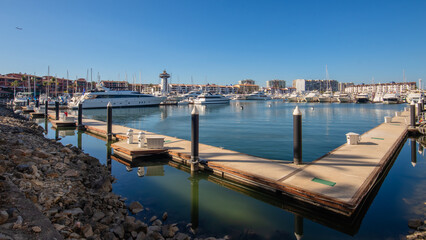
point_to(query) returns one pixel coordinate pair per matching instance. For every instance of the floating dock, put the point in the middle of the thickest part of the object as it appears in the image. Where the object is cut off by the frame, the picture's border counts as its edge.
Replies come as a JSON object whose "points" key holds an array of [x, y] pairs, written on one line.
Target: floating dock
{"points": [[340, 181]]}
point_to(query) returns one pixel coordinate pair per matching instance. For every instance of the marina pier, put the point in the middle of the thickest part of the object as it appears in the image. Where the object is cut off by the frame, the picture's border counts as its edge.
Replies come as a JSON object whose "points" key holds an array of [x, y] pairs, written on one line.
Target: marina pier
{"points": [[339, 182]]}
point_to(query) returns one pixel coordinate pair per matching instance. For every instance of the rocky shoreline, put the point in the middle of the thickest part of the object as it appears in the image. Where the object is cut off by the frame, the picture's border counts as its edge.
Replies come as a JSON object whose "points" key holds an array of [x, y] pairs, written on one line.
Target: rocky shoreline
{"points": [[51, 191]]}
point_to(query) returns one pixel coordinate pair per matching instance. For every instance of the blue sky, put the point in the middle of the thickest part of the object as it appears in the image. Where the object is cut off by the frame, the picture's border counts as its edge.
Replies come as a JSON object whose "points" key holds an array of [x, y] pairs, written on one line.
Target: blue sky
{"points": [[216, 41]]}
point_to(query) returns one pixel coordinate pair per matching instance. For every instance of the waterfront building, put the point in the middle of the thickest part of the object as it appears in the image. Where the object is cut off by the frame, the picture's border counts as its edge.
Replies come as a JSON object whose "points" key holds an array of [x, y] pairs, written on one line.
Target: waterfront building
{"points": [[303, 85], [247, 88], [247, 81], [275, 84], [343, 86], [116, 85], [382, 87]]}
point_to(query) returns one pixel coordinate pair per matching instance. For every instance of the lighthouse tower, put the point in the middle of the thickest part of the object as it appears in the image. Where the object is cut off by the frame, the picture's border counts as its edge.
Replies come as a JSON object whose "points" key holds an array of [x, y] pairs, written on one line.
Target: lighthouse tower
{"points": [[164, 83]]}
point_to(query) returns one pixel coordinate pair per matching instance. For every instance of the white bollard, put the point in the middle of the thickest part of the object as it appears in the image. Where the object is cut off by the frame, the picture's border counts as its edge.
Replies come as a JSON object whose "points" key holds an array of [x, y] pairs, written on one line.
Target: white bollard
{"points": [[388, 119], [141, 139], [130, 136], [397, 114], [352, 138]]}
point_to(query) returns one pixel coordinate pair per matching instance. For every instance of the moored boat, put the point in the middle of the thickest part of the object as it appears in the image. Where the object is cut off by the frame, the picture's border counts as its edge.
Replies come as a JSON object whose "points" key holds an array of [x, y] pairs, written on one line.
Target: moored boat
{"points": [[209, 98]]}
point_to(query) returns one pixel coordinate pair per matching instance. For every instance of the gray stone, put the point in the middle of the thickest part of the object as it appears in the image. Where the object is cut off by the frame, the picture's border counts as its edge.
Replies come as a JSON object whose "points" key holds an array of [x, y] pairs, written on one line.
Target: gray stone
{"points": [[4, 216], [36, 229], [87, 231], [110, 236], [119, 231], [181, 236], [414, 223], [98, 216], [135, 207], [165, 215], [154, 236], [154, 229], [169, 231], [74, 211], [24, 168], [157, 223], [71, 173], [141, 236], [141, 226], [18, 222], [153, 218]]}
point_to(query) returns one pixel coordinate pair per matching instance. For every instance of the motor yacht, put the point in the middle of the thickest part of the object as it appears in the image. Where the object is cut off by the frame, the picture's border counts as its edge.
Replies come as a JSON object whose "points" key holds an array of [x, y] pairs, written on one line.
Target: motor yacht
{"points": [[259, 95], [101, 97], [209, 98]]}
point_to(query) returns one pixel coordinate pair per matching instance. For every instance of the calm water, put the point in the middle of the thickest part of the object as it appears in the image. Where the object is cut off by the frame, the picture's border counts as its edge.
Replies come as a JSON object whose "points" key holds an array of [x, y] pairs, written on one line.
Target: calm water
{"points": [[264, 129]]}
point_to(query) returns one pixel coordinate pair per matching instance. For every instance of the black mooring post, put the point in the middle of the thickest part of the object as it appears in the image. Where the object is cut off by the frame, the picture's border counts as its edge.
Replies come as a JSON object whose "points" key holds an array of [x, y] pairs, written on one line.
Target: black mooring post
{"points": [[422, 101], [412, 115], [194, 139], [194, 201], [37, 103], [109, 121], [79, 139], [298, 226], [413, 152], [46, 109], [28, 101], [57, 110], [80, 116], [297, 136]]}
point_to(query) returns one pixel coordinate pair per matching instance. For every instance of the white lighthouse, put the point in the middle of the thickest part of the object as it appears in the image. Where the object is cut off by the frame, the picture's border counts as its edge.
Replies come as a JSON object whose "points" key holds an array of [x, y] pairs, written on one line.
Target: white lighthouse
{"points": [[164, 83]]}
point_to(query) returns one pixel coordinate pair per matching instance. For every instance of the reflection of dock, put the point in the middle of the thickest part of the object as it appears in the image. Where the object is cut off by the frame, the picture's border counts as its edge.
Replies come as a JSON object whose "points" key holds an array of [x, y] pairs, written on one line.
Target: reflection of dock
{"points": [[339, 181]]}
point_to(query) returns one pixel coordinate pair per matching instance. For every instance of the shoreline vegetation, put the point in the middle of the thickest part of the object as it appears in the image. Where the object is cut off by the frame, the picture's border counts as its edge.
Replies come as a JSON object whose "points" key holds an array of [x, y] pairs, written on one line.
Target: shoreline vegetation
{"points": [[52, 191]]}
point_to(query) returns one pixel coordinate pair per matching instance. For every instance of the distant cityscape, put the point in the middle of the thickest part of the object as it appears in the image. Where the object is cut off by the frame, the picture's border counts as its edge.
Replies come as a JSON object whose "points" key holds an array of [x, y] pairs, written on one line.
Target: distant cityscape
{"points": [[21, 82]]}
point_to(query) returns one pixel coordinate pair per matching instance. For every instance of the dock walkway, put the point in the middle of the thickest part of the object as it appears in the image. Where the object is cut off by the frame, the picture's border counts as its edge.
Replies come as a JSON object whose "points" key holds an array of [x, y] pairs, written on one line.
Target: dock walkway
{"points": [[338, 181]]}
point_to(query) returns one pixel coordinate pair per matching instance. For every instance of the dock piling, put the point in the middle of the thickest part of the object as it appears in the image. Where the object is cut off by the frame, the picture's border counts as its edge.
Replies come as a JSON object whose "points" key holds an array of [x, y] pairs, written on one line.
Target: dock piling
{"points": [[412, 114], [194, 139], [419, 110], [57, 110], [297, 136], [46, 109], [80, 116], [109, 121], [422, 101], [37, 103], [298, 226], [413, 152], [28, 102]]}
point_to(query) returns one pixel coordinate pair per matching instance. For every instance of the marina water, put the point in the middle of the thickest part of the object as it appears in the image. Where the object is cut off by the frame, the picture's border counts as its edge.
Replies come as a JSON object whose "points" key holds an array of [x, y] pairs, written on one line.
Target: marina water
{"points": [[262, 129]]}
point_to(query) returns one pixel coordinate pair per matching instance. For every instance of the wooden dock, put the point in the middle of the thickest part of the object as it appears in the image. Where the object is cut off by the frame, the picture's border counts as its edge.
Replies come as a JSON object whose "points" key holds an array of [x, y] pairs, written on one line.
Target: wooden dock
{"points": [[339, 181]]}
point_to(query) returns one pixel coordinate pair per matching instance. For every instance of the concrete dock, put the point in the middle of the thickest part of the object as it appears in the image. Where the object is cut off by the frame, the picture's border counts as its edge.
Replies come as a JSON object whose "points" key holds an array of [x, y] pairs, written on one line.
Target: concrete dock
{"points": [[339, 181]]}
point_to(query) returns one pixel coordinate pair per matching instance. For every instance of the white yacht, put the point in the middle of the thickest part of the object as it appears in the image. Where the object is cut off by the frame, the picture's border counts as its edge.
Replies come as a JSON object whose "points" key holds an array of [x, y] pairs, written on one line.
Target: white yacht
{"points": [[101, 97], [294, 97], [259, 95], [326, 97], [362, 98], [209, 98], [344, 98], [391, 98], [415, 96], [312, 97], [192, 94]]}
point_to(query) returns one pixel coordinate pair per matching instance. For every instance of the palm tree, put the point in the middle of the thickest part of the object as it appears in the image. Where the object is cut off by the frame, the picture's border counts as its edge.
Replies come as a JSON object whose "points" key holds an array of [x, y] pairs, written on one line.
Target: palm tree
{"points": [[14, 85]]}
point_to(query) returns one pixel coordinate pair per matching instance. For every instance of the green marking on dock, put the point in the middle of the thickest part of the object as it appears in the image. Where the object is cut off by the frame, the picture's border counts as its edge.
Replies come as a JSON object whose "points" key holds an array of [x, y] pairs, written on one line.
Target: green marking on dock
{"points": [[395, 124], [322, 181], [167, 141], [377, 138]]}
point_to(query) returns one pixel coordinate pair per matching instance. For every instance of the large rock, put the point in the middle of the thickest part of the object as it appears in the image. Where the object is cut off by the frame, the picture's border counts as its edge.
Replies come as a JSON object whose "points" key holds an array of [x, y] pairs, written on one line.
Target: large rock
{"points": [[71, 173], [169, 231], [74, 211], [98, 216], [135, 207], [415, 223], [87, 231], [118, 231], [4, 216]]}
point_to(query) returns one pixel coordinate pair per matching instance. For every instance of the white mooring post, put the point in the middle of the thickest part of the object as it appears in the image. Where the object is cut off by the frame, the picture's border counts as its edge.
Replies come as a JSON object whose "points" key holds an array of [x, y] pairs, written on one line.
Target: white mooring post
{"points": [[141, 139], [130, 136]]}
